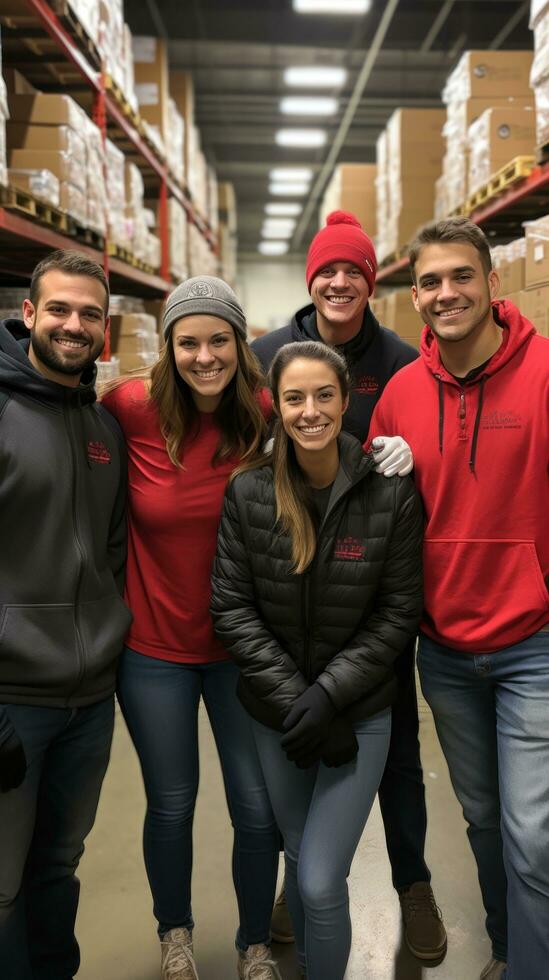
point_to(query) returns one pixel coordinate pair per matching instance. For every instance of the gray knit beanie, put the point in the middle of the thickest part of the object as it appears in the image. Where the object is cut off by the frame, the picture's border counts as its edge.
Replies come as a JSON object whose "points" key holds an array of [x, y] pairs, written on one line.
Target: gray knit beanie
{"points": [[204, 294]]}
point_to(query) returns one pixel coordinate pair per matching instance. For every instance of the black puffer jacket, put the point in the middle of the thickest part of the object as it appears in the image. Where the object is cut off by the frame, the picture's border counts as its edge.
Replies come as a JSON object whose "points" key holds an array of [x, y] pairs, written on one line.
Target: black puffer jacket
{"points": [[345, 620]]}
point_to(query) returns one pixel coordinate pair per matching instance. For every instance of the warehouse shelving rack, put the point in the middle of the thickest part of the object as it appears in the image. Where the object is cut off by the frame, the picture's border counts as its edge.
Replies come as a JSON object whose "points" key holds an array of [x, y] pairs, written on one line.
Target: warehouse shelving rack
{"points": [[24, 241], [500, 218]]}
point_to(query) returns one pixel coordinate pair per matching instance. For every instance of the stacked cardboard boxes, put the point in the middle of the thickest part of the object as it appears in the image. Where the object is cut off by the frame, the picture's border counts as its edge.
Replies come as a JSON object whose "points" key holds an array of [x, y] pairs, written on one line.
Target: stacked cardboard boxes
{"points": [[500, 134], [52, 132], [480, 81], [539, 77], [177, 221], [134, 340], [352, 188], [150, 57], [382, 197], [523, 270], [414, 149], [227, 232], [202, 261]]}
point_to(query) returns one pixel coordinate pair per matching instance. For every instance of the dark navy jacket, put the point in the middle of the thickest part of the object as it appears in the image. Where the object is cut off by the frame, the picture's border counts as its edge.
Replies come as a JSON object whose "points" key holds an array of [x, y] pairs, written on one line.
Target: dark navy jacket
{"points": [[373, 357]]}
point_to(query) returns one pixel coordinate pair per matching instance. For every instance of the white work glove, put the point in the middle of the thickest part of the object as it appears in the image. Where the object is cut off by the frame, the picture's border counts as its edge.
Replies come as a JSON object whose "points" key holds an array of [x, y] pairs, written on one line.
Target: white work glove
{"points": [[392, 456]]}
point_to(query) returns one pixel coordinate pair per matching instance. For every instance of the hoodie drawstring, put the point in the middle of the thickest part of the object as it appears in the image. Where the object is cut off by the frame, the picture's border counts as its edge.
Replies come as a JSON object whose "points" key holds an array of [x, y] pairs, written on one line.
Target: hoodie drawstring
{"points": [[477, 424], [440, 413]]}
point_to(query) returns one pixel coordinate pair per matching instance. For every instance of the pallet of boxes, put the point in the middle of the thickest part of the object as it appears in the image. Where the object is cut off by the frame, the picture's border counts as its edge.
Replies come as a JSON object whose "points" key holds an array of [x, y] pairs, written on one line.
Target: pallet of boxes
{"points": [[134, 334], [523, 270], [489, 121], [539, 76]]}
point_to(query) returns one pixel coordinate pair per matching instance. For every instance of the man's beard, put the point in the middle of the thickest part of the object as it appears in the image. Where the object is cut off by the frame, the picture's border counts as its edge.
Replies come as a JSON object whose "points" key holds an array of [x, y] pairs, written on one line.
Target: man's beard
{"points": [[46, 353]]}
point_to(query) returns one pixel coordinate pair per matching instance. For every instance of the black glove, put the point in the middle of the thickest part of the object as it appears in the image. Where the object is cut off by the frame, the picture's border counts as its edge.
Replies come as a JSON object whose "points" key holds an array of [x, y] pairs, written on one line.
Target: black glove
{"points": [[306, 722], [13, 764], [340, 745]]}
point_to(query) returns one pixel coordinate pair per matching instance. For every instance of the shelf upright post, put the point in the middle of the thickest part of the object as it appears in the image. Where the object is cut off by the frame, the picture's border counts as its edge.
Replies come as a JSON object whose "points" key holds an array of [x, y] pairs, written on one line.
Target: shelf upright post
{"points": [[99, 117]]}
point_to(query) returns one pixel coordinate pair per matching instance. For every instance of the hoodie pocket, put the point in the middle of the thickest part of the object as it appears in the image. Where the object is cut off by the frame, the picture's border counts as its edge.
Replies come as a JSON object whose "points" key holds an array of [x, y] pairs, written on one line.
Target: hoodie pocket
{"points": [[104, 624], [483, 594], [38, 646]]}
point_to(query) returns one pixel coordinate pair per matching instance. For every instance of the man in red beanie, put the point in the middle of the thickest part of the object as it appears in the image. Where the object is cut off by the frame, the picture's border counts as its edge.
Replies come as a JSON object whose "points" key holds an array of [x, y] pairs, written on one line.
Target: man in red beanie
{"points": [[340, 273]]}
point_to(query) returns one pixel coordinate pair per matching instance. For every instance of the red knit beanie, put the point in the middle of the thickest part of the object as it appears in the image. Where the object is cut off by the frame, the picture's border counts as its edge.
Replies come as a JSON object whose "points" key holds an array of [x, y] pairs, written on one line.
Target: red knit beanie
{"points": [[342, 240]]}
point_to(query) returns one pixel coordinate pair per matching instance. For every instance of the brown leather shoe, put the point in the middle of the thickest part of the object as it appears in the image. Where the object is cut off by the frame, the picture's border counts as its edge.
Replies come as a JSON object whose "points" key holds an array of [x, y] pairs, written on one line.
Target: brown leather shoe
{"points": [[423, 926]]}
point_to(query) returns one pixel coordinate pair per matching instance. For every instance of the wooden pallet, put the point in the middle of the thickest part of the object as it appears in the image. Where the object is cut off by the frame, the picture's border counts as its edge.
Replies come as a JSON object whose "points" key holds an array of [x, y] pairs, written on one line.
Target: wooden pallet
{"points": [[119, 97], [72, 25], [15, 199], [514, 171], [116, 251], [88, 236]]}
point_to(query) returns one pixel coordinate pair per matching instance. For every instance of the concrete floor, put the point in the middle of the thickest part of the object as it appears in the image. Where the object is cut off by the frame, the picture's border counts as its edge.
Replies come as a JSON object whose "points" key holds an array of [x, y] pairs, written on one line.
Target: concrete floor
{"points": [[115, 925]]}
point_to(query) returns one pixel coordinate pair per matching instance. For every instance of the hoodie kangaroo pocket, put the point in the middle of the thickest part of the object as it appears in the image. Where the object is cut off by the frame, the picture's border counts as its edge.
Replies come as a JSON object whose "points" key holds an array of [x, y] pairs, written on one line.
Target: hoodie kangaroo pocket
{"points": [[483, 593], [38, 646]]}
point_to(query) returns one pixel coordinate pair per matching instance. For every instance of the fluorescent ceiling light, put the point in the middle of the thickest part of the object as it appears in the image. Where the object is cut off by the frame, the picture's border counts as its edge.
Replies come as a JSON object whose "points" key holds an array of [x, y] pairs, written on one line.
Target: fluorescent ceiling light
{"points": [[286, 188], [272, 248], [282, 223], [315, 76], [276, 232], [300, 137], [335, 7], [283, 209], [291, 173], [308, 105]]}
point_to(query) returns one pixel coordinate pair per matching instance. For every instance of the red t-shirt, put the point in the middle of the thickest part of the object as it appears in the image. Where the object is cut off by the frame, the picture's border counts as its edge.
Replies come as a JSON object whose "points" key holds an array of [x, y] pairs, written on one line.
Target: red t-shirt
{"points": [[172, 531]]}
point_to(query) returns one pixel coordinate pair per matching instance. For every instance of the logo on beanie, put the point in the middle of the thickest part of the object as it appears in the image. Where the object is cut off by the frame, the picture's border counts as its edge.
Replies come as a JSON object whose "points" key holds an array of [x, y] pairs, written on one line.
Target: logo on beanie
{"points": [[200, 289]]}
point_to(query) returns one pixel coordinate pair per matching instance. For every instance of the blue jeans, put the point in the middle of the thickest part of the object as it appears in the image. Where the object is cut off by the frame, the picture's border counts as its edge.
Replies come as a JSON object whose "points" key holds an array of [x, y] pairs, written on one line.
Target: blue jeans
{"points": [[492, 717], [160, 703], [43, 825], [321, 813]]}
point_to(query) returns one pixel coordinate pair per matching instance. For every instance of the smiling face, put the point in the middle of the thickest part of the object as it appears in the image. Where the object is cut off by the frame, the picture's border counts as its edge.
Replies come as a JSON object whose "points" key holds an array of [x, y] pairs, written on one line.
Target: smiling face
{"points": [[310, 404], [340, 293], [206, 357], [453, 291], [67, 326]]}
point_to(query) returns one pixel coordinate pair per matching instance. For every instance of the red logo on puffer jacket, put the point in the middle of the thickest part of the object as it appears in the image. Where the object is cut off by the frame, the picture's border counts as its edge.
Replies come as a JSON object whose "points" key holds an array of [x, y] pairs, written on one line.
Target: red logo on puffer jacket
{"points": [[366, 385], [350, 549], [98, 452]]}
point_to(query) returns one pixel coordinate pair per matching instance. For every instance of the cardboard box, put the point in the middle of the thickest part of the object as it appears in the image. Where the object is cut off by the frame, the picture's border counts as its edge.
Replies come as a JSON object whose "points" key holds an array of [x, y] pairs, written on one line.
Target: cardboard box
{"points": [[62, 139], [481, 74], [401, 316], [512, 276], [125, 326], [352, 188], [150, 56], [535, 307], [61, 164], [498, 136], [537, 260], [73, 200], [16, 82], [46, 109], [417, 126]]}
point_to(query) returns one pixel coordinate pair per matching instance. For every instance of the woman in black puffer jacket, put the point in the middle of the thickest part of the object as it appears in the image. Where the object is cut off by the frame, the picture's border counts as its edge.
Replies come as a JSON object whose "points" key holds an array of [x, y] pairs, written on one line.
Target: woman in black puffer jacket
{"points": [[317, 588]]}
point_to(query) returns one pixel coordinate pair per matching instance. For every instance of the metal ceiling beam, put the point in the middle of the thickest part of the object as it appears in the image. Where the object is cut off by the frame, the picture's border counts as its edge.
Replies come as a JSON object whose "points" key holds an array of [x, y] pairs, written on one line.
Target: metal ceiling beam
{"points": [[156, 18], [509, 27], [344, 126], [439, 20]]}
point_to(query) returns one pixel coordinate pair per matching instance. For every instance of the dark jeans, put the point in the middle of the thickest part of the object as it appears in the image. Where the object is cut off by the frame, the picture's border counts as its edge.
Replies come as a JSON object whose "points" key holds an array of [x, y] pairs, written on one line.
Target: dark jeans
{"points": [[402, 792], [160, 703], [43, 825], [492, 717]]}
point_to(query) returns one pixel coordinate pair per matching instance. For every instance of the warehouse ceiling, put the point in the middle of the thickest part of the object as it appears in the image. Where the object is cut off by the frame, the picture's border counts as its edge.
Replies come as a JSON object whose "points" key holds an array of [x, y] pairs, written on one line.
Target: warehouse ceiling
{"points": [[397, 54]]}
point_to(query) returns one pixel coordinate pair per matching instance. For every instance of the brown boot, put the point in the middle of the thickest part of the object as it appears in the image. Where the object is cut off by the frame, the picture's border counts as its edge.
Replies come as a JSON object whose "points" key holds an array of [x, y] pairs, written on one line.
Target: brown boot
{"points": [[423, 926], [281, 926]]}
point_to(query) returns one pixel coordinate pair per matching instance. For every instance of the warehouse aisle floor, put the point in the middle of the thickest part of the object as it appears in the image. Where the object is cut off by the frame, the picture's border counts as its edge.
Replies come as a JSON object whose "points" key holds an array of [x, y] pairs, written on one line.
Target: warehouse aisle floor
{"points": [[115, 926]]}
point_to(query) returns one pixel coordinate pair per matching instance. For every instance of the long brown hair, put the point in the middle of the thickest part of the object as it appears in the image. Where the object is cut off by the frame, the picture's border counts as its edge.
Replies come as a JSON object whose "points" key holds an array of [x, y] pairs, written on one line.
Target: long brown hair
{"points": [[293, 495], [239, 417]]}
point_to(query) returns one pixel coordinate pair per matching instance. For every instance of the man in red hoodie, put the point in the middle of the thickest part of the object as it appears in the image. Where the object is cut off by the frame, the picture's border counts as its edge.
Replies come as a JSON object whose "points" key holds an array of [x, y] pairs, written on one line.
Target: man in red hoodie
{"points": [[475, 410]]}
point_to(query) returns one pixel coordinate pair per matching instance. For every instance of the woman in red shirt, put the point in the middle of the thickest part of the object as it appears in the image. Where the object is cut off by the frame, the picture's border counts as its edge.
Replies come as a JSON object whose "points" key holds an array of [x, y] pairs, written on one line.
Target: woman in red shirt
{"points": [[188, 423]]}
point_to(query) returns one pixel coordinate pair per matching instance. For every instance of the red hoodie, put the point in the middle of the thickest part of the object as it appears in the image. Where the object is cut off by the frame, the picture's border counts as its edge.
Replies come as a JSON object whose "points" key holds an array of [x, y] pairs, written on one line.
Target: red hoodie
{"points": [[481, 467]]}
